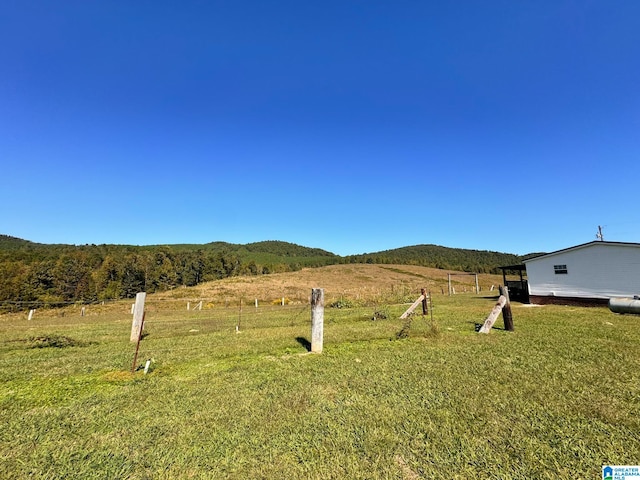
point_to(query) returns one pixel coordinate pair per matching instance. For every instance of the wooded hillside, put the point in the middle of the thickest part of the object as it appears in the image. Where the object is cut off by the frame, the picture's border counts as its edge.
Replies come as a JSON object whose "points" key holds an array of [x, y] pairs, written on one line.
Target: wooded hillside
{"points": [[480, 261]]}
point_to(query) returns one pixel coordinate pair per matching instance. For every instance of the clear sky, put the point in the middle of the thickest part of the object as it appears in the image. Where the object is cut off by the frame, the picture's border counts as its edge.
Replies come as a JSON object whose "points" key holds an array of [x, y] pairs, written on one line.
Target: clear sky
{"points": [[352, 126]]}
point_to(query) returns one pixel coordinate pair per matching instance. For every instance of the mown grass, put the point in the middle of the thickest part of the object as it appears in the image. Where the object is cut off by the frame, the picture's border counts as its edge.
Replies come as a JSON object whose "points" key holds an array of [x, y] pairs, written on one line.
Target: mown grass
{"points": [[557, 398]]}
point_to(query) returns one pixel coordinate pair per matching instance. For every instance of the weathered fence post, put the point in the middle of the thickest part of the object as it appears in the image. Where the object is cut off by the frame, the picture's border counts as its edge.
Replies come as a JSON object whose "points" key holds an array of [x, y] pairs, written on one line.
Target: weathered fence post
{"points": [[138, 316], [425, 308], [491, 319], [31, 312], [477, 285], [413, 306], [317, 319], [506, 310], [135, 357]]}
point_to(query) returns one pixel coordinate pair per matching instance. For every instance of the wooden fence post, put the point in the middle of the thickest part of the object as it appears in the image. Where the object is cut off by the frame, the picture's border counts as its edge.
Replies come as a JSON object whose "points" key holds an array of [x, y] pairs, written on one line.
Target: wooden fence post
{"points": [[506, 310], [425, 308], [135, 357], [317, 319], [412, 307], [491, 319], [138, 316]]}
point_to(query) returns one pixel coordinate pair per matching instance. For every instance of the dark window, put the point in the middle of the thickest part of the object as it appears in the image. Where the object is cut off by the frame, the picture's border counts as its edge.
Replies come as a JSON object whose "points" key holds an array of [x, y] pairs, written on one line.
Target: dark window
{"points": [[558, 269]]}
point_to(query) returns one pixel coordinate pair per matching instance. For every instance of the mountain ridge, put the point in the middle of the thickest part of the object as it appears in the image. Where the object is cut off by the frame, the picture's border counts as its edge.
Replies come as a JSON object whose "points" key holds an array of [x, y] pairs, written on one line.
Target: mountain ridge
{"points": [[267, 246]]}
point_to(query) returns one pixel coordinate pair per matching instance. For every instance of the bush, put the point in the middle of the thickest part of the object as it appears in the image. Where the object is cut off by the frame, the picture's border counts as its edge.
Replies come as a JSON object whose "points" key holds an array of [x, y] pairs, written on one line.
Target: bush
{"points": [[380, 315], [406, 326], [342, 303], [55, 341]]}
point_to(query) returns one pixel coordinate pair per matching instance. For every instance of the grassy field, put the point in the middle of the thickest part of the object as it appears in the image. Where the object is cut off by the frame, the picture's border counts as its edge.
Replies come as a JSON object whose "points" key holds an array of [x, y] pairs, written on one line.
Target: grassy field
{"points": [[360, 283], [557, 398]]}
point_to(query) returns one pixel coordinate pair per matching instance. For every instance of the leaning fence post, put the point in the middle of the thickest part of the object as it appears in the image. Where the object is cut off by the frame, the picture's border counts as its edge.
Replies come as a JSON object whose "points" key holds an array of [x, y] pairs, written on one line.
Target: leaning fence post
{"points": [[495, 312], [138, 315], [506, 310], [135, 357], [317, 319], [413, 306]]}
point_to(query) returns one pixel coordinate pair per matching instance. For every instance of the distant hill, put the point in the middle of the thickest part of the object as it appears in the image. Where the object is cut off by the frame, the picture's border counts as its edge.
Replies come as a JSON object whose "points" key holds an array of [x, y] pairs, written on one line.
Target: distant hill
{"points": [[35, 272], [287, 249], [480, 261], [269, 253], [12, 243]]}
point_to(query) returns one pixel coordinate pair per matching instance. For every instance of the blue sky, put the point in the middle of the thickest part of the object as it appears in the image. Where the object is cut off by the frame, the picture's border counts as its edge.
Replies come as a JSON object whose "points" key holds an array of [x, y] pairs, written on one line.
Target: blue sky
{"points": [[353, 126]]}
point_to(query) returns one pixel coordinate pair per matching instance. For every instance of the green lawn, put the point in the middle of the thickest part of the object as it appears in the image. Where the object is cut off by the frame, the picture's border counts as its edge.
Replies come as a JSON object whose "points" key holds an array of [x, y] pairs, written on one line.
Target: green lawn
{"points": [[557, 398]]}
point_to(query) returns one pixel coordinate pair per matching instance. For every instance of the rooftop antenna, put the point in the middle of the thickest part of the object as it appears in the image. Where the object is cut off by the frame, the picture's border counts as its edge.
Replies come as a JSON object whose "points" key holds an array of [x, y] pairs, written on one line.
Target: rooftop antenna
{"points": [[599, 235]]}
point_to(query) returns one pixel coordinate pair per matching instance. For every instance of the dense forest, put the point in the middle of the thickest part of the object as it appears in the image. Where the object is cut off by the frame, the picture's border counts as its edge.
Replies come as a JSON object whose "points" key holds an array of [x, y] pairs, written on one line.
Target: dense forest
{"points": [[32, 273], [479, 261]]}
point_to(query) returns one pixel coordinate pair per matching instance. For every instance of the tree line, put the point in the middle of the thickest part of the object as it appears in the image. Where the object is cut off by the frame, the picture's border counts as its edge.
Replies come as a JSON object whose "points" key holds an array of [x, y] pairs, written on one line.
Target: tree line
{"points": [[65, 274], [436, 256]]}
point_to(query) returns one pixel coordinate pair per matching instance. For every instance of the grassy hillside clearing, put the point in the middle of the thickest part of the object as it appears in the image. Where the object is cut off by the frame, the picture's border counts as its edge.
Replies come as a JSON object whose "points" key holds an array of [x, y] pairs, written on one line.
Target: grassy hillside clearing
{"points": [[557, 398], [358, 283]]}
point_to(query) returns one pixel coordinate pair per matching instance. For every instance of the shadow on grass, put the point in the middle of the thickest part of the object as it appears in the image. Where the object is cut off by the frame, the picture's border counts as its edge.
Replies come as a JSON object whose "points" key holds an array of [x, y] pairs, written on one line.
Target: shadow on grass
{"points": [[304, 342], [478, 326]]}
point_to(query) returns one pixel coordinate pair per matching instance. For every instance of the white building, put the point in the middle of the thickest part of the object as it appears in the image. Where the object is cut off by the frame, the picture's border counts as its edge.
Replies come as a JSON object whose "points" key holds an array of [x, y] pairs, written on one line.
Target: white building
{"points": [[588, 273]]}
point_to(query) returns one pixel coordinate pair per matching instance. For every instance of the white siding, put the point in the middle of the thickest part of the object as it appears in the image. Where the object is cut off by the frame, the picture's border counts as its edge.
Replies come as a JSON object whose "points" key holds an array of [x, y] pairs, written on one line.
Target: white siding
{"points": [[595, 270]]}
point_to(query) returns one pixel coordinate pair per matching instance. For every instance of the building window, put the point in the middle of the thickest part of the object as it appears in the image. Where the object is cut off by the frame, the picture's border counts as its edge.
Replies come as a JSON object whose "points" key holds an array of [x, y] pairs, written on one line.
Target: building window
{"points": [[559, 269]]}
